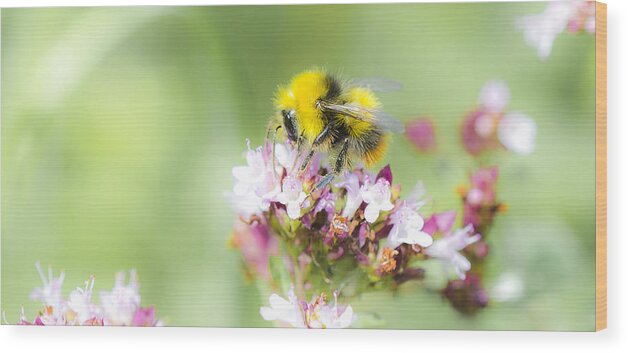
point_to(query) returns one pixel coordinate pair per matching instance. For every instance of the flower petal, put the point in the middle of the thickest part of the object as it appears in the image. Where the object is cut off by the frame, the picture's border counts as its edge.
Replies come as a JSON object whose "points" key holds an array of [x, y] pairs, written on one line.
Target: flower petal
{"points": [[371, 212], [517, 132]]}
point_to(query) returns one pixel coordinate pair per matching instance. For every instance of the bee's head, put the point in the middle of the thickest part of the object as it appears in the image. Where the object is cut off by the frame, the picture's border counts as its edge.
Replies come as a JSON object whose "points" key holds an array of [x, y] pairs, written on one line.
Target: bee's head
{"points": [[290, 124]]}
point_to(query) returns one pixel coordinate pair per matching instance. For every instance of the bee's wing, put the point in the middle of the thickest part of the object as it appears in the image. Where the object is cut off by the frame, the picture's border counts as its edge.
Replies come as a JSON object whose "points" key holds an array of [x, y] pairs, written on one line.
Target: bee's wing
{"points": [[376, 116], [388, 122], [377, 84]]}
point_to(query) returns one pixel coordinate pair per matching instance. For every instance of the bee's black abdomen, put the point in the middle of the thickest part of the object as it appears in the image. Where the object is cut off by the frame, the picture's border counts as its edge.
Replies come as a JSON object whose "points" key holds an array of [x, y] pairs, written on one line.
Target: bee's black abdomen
{"points": [[368, 142]]}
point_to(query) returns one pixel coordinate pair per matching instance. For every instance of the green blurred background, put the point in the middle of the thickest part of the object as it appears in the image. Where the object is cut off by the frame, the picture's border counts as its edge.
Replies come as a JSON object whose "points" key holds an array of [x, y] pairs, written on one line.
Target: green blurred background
{"points": [[120, 127]]}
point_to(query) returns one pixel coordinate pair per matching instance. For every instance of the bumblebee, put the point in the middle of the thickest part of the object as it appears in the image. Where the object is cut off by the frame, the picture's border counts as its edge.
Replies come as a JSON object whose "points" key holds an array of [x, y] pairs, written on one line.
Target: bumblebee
{"points": [[320, 113]]}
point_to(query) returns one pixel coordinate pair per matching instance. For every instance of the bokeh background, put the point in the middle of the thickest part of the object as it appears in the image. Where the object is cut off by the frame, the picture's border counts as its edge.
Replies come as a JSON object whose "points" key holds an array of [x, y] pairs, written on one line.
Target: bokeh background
{"points": [[120, 127]]}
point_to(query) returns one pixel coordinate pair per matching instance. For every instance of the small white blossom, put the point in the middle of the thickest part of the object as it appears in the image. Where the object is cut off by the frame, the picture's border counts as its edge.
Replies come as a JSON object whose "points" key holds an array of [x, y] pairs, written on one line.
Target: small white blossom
{"points": [[517, 132], [540, 30], [377, 196], [50, 293], [407, 224], [508, 287], [122, 302], [286, 311], [316, 314], [292, 196], [121, 306], [354, 196], [80, 302], [494, 96], [256, 186], [331, 317], [447, 250]]}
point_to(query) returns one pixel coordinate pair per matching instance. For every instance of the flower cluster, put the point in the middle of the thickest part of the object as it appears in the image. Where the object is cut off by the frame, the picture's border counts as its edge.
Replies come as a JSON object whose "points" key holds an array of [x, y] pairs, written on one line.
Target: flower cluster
{"points": [[357, 234], [480, 206], [491, 127], [540, 30], [314, 314], [118, 307]]}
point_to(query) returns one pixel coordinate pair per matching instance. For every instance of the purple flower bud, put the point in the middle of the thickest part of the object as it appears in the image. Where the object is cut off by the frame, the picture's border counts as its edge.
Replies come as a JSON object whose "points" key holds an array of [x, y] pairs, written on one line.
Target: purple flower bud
{"points": [[385, 173], [466, 296]]}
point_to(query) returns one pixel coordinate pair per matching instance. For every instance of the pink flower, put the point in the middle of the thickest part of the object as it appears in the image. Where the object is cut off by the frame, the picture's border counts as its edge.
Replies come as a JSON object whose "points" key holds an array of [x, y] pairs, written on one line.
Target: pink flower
{"points": [[448, 248], [407, 223], [256, 245], [490, 127], [421, 133], [483, 183], [480, 202], [440, 223], [144, 317]]}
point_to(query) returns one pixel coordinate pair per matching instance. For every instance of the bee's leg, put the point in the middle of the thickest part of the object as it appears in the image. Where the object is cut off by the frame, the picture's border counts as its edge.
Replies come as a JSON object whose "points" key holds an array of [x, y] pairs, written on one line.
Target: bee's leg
{"points": [[326, 180], [342, 157], [320, 139], [300, 144], [306, 161], [341, 160]]}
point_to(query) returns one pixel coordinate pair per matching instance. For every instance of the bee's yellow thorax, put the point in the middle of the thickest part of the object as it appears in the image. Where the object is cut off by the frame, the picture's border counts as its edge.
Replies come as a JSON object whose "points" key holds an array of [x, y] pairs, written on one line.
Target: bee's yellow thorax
{"points": [[363, 97], [301, 95]]}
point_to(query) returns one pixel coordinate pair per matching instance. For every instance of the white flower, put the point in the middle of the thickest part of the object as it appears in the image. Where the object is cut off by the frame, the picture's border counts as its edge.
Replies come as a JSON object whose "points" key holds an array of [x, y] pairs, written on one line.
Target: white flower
{"points": [[292, 196], [256, 186], [122, 302], [407, 225], [246, 205], [354, 196], [508, 287], [249, 177], [286, 311], [447, 250], [333, 317], [494, 96], [541, 30], [377, 196], [284, 156], [80, 302], [517, 132], [50, 293], [316, 314]]}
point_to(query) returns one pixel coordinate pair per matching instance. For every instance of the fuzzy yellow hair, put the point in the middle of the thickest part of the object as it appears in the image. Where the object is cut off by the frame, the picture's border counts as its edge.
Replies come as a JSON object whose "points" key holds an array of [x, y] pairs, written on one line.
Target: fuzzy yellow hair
{"points": [[301, 96]]}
